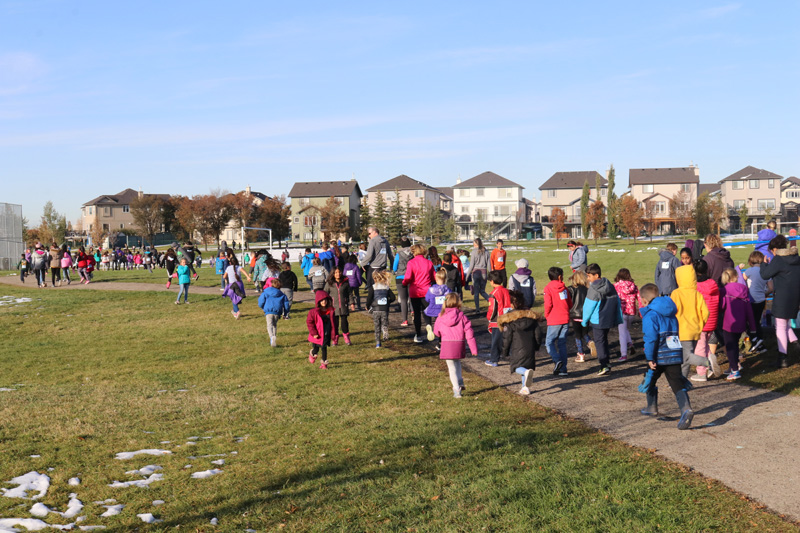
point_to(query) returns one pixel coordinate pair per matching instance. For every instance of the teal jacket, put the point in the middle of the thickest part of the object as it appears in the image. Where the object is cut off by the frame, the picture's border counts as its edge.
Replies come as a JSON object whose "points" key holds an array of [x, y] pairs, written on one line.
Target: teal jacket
{"points": [[184, 275]]}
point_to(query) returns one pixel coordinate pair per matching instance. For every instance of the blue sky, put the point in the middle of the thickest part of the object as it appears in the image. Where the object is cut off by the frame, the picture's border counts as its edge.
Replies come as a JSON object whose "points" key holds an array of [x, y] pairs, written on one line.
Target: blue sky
{"points": [[185, 97]]}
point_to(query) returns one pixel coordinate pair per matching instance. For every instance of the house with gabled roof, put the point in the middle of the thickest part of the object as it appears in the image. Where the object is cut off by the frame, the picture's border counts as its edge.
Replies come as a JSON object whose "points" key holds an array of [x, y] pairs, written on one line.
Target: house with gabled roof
{"points": [[111, 212], [756, 189], [308, 196], [656, 187], [489, 199], [790, 199], [564, 190], [404, 189]]}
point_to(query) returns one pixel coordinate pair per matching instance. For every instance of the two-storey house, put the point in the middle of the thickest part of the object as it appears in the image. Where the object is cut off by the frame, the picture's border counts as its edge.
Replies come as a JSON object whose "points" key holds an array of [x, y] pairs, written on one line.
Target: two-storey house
{"points": [[491, 200], [564, 190], [790, 199], [111, 212], [756, 189], [654, 188], [306, 199]]}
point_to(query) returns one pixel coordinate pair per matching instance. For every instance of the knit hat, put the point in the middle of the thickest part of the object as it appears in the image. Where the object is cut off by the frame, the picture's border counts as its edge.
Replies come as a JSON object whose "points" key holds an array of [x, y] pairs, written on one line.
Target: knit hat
{"points": [[522, 263]]}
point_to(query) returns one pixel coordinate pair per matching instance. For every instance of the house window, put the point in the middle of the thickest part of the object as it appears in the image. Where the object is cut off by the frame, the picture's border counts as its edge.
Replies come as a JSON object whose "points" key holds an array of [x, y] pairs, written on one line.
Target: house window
{"points": [[303, 202], [464, 193], [308, 236], [419, 194], [465, 209], [91, 227], [479, 192], [754, 184], [501, 210], [390, 196], [648, 188], [481, 213], [505, 192], [686, 187], [603, 192], [106, 211], [309, 220], [551, 193], [106, 227], [90, 210], [793, 194], [771, 183], [738, 185], [126, 209], [122, 226], [660, 207], [738, 204], [296, 220], [763, 205]]}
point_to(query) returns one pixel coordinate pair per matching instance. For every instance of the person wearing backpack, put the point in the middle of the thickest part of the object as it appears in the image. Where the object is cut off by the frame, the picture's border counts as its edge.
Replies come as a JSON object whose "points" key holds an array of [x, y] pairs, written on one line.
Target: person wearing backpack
{"points": [[522, 281]]}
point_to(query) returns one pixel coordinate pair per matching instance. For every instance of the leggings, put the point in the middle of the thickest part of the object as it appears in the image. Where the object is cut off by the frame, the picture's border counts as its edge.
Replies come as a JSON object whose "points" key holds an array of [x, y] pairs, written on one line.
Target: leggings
{"points": [[55, 274], [402, 297], [479, 287], [625, 334], [356, 293], [581, 334], [758, 310], [315, 349], [732, 348], [41, 275], [454, 369], [170, 270], [345, 324], [785, 334], [82, 272], [417, 305]]}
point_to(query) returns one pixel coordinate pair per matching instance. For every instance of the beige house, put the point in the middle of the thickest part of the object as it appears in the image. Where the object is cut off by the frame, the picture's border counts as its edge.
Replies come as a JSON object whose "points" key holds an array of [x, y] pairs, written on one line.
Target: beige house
{"points": [[307, 197], [492, 200], [790, 199], [757, 189], [232, 231], [111, 212], [564, 190], [655, 187], [404, 190]]}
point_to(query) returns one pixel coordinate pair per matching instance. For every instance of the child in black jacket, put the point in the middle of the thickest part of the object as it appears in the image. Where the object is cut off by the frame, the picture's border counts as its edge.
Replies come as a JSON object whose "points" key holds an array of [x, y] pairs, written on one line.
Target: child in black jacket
{"points": [[520, 341], [379, 298], [288, 281]]}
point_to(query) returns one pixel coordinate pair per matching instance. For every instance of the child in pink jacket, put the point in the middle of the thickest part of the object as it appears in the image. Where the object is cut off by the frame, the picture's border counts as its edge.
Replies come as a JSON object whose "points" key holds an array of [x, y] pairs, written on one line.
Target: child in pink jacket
{"points": [[453, 328], [321, 328]]}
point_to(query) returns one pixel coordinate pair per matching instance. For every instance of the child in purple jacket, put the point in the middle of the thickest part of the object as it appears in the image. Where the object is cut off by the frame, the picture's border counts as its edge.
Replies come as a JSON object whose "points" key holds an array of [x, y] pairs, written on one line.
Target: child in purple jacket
{"points": [[737, 317], [454, 328], [353, 274], [435, 299]]}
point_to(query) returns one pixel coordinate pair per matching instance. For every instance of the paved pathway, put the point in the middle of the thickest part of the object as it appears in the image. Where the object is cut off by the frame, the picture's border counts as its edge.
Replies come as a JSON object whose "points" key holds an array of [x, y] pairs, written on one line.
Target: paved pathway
{"points": [[747, 438]]}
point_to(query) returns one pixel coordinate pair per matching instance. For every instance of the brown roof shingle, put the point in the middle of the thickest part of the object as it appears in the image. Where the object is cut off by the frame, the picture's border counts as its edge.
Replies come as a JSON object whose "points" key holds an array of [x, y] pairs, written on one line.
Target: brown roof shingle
{"points": [[752, 173], [662, 176], [317, 189], [709, 188], [121, 198], [573, 180], [403, 183], [487, 179]]}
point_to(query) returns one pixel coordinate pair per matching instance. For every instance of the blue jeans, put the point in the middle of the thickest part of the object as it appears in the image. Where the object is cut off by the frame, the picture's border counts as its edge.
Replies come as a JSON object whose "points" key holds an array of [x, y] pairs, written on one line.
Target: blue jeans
{"points": [[521, 371], [184, 291], [222, 281], [497, 345], [479, 287], [558, 334], [235, 308]]}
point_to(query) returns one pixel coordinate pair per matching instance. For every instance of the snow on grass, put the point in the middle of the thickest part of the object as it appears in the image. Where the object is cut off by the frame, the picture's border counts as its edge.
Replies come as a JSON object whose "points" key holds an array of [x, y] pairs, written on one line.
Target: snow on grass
{"points": [[214, 521], [11, 300], [206, 473], [113, 510], [148, 518], [40, 510], [32, 481], [74, 482], [158, 502], [90, 528], [4, 389], [74, 507], [122, 456], [218, 462], [144, 471], [31, 524], [141, 483]]}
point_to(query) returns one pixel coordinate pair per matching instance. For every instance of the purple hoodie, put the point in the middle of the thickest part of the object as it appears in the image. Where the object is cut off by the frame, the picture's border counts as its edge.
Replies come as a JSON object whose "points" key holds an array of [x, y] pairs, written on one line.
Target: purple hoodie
{"points": [[435, 299], [737, 314], [353, 274]]}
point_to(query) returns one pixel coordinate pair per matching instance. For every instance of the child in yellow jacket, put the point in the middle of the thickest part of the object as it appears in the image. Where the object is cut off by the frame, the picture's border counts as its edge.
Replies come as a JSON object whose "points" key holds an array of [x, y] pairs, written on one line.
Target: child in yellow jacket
{"points": [[692, 316]]}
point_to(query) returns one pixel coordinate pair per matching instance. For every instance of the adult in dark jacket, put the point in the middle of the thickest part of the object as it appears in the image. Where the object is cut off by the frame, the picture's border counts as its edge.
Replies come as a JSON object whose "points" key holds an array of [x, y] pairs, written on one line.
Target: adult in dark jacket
{"points": [[379, 254], [784, 271], [717, 257]]}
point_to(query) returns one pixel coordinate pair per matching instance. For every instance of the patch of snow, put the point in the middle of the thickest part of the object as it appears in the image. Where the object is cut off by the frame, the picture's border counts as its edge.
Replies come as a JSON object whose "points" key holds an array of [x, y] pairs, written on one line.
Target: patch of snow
{"points": [[122, 456], [187, 466], [74, 481], [113, 510], [4, 389], [10, 300], [141, 483], [182, 390], [158, 502], [144, 471], [90, 528], [211, 455], [618, 251], [193, 438], [148, 518], [40, 510], [32, 481], [218, 462], [165, 442], [206, 473], [214, 521], [191, 443], [31, 524], [35, 456], [74, 507], [110, 500]]}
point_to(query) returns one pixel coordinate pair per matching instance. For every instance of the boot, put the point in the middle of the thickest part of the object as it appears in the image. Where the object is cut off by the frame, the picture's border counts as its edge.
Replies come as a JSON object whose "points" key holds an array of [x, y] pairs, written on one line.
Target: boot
{"points": [[715, 369], [347, 339], [686, 409], [652, 403], [782, 361]]}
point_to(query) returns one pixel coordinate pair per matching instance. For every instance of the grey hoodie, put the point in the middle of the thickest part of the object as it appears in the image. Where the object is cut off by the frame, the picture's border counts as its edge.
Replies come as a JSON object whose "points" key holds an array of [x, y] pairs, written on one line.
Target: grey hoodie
{"points": [[665, 272], [579, 259], [379, 254]]}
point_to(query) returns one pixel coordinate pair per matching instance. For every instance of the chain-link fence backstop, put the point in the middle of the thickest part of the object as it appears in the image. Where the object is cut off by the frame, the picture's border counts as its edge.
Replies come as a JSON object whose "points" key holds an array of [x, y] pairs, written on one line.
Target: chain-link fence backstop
{"points": [[11, 246]]}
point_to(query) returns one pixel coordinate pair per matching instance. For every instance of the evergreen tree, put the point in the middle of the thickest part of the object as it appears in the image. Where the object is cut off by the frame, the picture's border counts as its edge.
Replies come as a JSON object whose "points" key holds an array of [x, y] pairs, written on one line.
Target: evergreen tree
{"points": [[394, 220], [365, 219], [379, 213], [409, 213], [585, 209], [613, 206]]}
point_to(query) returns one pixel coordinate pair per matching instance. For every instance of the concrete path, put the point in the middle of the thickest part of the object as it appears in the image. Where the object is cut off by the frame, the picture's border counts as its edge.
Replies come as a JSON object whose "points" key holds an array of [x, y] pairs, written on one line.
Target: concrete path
{"points": [[747, 438]]}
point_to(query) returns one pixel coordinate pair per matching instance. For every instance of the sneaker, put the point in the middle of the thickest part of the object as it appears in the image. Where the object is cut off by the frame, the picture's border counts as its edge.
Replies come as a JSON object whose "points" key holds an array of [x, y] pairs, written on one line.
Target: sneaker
{"points": [[563, 373], [177, 303], [631, 350], [557, 368], [347, 339], [698, 377], [404, 323], [456, 393], [757, 343], [222, 289], [273, 342], [418, 340], [528, 380], [196, 276], [385, 334], [378, 344], [734, 375], [592, 348], [335, 342], [462, 388], [431, 336], [604, 371], [623, 358], [187, 302], [311, 357], [168, 283], [323, 365], [525, 391], [490, 363], [580, 358]]}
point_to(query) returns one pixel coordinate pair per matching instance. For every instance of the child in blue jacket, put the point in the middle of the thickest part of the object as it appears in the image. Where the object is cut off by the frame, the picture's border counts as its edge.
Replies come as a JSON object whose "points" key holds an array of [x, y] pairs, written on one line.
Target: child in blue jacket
{"points": [[184, 278], [662, 348], [275, 304]]}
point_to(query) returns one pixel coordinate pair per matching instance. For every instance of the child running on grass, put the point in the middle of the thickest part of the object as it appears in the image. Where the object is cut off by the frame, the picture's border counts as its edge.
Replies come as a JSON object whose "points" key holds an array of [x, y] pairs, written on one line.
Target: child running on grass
{"points": [[453, 327], [353, 274], [628, 298], [379, 298], [577, 291], [339, 289], [317, 275], [274, 304], [602, 311], [321, 328], [557, 303], [435, 299], [234, 288], [737, 317], [664, 354], [692, 314], [184, 279], [519, 339], [499, 304], [288, 286], [22, 266]]}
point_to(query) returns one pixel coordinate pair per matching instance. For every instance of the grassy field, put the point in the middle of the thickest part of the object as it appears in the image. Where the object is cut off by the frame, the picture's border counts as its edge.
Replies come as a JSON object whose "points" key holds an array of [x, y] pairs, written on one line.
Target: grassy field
{"points": [[376, 443]]}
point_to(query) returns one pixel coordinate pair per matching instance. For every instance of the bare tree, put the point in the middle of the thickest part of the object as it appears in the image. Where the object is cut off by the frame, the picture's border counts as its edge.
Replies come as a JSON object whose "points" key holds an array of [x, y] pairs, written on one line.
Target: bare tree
{"points": [[650, 218], [717, 213], [275, 213], [596, 219], [631, 216], [214, 211], [680, 208], [559, 220], [148, 215], [333, 219]]}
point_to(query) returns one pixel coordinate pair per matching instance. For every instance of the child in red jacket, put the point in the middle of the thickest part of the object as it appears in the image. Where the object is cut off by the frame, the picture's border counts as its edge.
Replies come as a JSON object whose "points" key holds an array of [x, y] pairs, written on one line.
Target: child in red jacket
{"points": [[557, 303], [499, 304], [321, 328]]}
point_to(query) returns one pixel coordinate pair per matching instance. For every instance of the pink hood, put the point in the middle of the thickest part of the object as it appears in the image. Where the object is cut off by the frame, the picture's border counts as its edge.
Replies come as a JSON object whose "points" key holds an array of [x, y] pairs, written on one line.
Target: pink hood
{"points": [[453, 327]]}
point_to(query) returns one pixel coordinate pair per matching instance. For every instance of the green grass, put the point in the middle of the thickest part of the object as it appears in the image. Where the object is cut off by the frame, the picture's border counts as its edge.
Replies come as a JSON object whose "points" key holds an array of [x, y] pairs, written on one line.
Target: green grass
{"points": [[376, 443]]}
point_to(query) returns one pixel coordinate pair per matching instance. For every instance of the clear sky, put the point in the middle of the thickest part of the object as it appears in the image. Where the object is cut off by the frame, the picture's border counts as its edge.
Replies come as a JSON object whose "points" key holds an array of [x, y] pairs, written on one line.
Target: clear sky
{"points": [[184, 97]]}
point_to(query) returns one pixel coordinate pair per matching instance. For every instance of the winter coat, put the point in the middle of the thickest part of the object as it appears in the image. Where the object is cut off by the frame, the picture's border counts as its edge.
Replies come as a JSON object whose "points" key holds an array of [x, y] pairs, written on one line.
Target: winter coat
{"points": [[307, 263], [601, 308], [328, 260], [66, 260], [557, 302], [499, 304], [379, 297], [756, 285], [737, 313], [318, 276], [317, 318], [692, 311], [765, 235], [260, 268], [379, 254], [519, 337], [184, 275], [288, 280], [353, 274], [628, 294], [401, 262], [660, 329], [229, 292], [453, 328], [435, 298], [39, 260], [578, 258], [419, 277], [479, 260], [456, 262], [709, 290], [522, 281], [697, 248], [718, 260], [273, 302], [784, 271], [453, 281], [81, 259], [578, 295], [340, 297], [498, 259], [55, 257], [665, 272]]}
